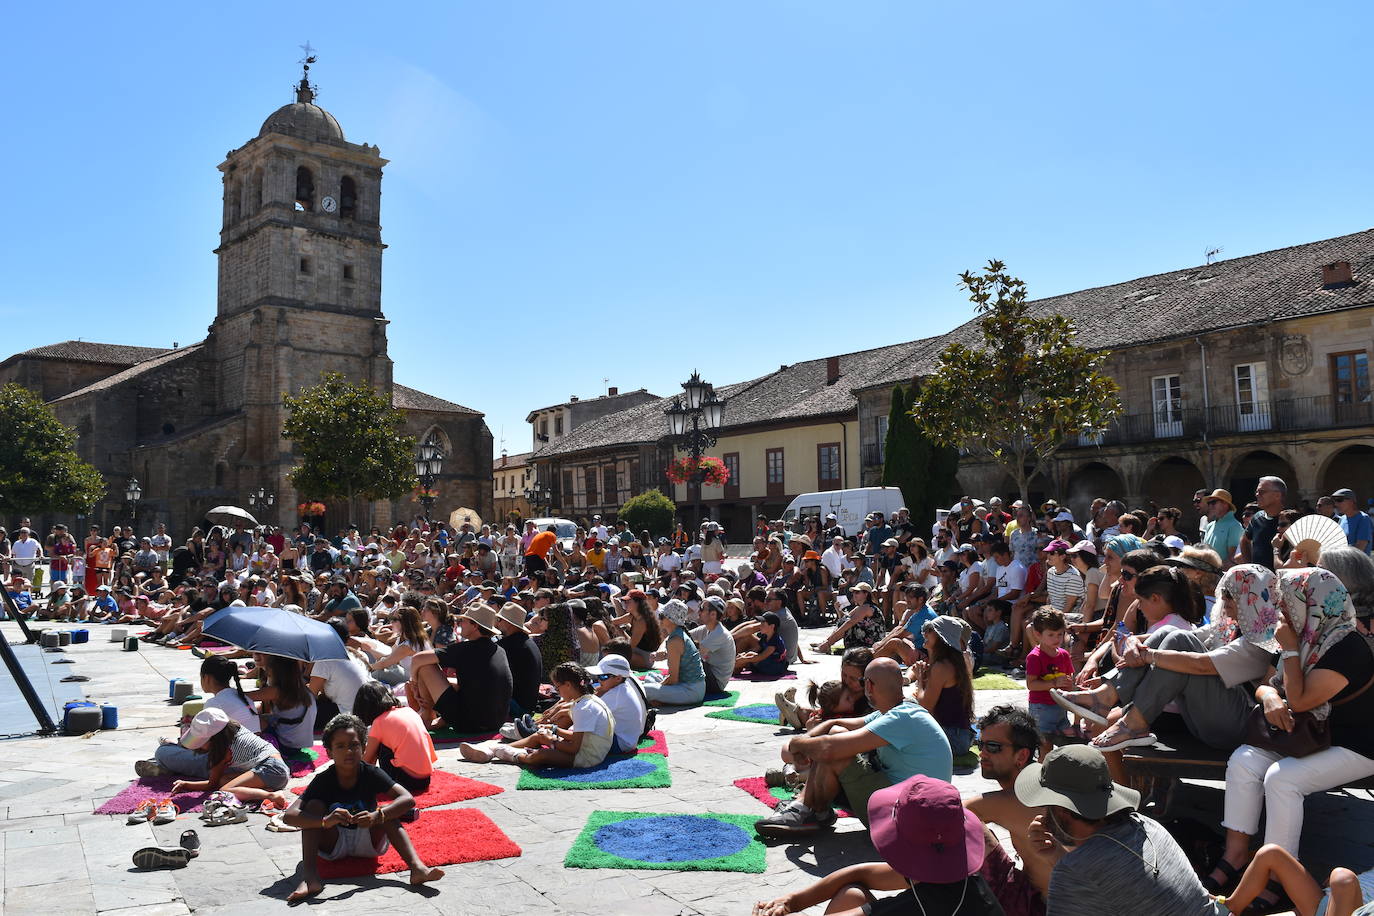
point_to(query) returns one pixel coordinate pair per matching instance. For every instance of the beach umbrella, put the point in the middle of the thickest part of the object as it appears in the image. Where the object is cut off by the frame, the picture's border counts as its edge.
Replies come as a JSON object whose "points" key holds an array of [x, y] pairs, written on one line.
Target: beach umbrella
{"points": [[274, 631], [231, 516]]}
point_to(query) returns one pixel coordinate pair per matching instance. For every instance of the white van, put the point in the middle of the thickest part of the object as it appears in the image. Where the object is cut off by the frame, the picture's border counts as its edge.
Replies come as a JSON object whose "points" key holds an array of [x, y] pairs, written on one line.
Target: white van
{"points": [[850, 506]]}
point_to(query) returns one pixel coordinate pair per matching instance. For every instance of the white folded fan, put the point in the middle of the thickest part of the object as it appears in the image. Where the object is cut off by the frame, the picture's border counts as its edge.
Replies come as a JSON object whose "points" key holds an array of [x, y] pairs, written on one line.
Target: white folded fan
{"points": [[1314, 533]]}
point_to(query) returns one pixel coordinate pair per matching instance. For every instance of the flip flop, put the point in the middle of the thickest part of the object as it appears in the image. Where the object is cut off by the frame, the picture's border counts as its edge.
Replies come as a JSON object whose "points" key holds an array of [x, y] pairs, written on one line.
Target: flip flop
{"points": [[1123, 738], [155, 857]]}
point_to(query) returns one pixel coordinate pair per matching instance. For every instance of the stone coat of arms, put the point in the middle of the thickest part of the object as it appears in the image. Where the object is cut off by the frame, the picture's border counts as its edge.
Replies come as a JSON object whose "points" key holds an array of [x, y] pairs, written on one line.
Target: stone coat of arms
{"points": [[1295, 354]]}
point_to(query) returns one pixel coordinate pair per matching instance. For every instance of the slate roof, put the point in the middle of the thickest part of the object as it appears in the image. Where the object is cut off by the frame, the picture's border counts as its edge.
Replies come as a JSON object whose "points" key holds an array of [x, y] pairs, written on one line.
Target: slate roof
{"points": [[599, 399], [110, 381], [89, 351], [1255, 289], [406, 398]]}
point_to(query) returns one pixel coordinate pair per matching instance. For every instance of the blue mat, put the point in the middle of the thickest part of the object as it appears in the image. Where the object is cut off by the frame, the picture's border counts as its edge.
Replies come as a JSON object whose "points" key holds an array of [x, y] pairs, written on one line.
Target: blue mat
{"points": [[15, 716]]}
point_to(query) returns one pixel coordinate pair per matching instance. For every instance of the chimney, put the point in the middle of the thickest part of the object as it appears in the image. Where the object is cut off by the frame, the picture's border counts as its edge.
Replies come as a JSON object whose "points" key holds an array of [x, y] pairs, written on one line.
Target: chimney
{"points": [[1337, 273], [832, 370], [572, 400], [612, 391]]}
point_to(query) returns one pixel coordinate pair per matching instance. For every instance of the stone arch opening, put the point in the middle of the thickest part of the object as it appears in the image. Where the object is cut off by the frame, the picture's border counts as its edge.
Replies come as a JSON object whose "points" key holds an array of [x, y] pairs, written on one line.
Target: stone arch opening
{"points": [[1247, 471], [348, 198], [1171, 484], [1353, 467], [305, 188], [255, 191], [1092, 480]]}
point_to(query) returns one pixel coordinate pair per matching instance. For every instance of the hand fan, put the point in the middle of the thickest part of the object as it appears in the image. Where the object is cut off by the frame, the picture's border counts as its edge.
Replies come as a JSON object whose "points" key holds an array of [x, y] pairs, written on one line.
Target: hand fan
{"points": [[1314, 533]]}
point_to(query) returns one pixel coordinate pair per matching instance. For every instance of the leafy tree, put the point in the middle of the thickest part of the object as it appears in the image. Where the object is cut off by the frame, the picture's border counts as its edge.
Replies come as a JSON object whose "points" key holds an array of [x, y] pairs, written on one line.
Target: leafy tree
{"points": [[650, 509], [350, 441], [923, 470], [1021, 389], [39, 467]]}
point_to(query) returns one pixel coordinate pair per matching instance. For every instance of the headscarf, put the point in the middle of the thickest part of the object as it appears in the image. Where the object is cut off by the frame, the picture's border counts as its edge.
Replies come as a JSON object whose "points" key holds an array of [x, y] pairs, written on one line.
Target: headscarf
{"points": [[1319, 608], [1123, 544], [1254, 589]]}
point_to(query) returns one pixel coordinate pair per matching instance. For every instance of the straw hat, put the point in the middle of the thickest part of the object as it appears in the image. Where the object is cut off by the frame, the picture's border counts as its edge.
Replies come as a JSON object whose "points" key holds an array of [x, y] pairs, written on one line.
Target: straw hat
{"points": [[483, 617], [512, 614]]}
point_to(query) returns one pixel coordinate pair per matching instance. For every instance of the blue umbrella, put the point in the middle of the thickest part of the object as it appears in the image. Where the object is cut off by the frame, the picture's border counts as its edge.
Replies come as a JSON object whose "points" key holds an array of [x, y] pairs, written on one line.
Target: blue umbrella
{"points": [[274, 631]]}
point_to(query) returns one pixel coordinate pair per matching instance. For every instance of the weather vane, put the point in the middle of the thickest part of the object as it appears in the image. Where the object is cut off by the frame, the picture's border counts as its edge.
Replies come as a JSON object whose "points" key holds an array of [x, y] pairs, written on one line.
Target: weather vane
{"points": [[305, 92]]}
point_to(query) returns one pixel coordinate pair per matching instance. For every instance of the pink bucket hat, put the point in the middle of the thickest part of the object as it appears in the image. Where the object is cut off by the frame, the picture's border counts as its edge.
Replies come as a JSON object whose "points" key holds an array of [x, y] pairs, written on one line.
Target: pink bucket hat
{"points": [[923, 830]]}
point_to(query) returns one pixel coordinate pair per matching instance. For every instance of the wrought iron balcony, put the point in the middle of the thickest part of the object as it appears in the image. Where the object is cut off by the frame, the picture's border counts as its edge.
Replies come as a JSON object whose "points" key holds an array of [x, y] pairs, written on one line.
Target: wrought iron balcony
{"points": [[1258, 417]]}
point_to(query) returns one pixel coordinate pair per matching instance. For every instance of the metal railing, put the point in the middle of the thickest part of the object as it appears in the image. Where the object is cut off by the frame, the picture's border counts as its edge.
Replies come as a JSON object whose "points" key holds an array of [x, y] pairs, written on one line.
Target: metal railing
{"points": [[1275, 415], [871, 454]]}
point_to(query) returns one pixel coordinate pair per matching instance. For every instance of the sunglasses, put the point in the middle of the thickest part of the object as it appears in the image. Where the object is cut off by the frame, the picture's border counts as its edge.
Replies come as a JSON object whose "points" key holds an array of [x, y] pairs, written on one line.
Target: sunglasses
{"points": [[992, 747], [1127, 575]]}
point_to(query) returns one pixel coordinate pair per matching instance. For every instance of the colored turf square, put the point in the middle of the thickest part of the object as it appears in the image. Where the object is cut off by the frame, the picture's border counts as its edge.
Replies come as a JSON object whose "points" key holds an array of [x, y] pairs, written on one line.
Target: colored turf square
{"points": [[654, 743], [758, 713], [772, 796], [642, 771], [449, 837], [729, 698], [668, 842]]}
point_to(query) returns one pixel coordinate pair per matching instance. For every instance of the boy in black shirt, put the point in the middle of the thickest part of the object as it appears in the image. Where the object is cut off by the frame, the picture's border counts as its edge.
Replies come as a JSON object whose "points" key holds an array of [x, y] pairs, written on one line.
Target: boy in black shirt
{"points": [[339, 815]]}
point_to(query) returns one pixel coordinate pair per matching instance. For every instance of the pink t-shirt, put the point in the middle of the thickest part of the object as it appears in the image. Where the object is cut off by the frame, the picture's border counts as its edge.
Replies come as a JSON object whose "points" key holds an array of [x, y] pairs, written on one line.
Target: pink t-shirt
{"points": [[402, 730], [1038, 664]]}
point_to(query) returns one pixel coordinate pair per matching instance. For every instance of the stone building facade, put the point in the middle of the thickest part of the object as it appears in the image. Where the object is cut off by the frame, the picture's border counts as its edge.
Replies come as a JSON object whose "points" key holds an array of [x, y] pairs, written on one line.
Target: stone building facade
{"points": [[299, 295]]}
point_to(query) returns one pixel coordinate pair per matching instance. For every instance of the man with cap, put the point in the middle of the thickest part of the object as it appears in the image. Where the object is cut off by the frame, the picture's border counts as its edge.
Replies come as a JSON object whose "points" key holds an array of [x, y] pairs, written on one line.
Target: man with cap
{"points": [[932, 848], [1359, 532], [19, 593], [715, 644], [1224, 530], [620, 690], [907, 741], [478, 700], [1104, 854], [341, 600], [523, 656], [831, 529], [25, 552]]}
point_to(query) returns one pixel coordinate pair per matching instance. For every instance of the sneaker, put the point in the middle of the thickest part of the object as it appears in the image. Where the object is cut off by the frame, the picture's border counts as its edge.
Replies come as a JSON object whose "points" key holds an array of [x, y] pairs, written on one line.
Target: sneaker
{"points": [[150, 769], [153, 857], [778, 777], [1083, 703], [143, 813], [525, 726], [794, 819], [475, 753], [511, 731], [788, 711], [165, 812]]}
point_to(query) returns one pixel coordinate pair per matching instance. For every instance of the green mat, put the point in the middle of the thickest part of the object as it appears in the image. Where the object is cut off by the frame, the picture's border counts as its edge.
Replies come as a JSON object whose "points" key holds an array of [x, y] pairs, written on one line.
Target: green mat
{"points": [[993, 680], [730, 699], [758, 713], [967, 761], [669, 842], [642, 771]]}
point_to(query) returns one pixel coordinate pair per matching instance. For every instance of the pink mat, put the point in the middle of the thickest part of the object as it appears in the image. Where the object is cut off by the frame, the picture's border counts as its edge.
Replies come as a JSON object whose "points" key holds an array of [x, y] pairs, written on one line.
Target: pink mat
{"points": [[659, 745], [751, 676], [141, 790]]}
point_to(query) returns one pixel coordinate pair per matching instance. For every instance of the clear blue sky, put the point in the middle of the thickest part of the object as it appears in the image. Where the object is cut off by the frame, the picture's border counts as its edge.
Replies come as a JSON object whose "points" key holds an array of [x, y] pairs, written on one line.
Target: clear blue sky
{"points": [[592, 190]]}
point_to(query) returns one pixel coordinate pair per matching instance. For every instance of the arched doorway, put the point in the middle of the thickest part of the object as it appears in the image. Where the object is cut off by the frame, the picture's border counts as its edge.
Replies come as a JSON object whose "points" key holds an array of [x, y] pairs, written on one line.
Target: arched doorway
{"points": [[1092, 480], [1353, 467], [1172, 483], [1248, 470]]}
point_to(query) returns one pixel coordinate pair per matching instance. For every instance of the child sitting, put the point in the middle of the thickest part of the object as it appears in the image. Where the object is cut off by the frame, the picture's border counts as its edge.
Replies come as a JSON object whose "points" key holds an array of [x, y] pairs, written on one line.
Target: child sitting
{"points": [[286, 702], [996, 632], [234, 759], [1048, 667], [397, 739], [905, 643], [770, 660], [585, 744], [339, 816]]}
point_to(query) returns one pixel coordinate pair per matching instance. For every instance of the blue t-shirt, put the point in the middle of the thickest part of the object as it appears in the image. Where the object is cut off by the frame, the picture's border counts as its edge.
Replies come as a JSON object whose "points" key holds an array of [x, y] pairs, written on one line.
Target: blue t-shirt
{"points": [[916, 745], [1357, 528], [918, 620]]}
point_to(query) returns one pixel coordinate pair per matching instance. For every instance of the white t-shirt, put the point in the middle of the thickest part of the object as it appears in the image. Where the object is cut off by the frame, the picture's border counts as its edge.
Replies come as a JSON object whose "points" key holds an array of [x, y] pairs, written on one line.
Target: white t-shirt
{"points": [[342, 678], [628, 710], [234, 707], [835, 561], [1011, 577], [591, 714], [600, 532], [669, 562], [26, 549], [717, 650]]}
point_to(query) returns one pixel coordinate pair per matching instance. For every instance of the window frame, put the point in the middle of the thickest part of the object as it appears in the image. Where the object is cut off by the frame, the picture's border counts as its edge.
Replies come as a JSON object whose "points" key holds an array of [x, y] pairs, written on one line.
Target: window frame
{"points": [[837, 480], [778, 487]]}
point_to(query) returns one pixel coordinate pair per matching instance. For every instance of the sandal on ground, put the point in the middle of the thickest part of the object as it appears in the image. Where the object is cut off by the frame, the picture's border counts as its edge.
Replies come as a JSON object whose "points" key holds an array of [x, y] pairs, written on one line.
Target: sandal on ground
{"points": [[1119, 737], [155, 857], [1230, 878], [190, 841], [276, 825], [226, 814]]}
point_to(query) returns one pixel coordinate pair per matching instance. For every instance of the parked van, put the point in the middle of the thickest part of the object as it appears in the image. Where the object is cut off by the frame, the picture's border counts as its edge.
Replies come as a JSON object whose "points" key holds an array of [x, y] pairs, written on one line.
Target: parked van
{"points": [[850, 506]]}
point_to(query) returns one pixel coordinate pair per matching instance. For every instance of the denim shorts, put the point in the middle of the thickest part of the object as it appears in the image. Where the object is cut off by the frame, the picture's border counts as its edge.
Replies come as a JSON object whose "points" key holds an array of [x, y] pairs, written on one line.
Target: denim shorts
{"points": [[1049, 718]]}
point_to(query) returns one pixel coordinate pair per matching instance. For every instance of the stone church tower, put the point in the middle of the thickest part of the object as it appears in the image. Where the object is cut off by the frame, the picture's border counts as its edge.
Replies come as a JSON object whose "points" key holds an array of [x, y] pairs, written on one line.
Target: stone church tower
{"points": [[300, 289]]}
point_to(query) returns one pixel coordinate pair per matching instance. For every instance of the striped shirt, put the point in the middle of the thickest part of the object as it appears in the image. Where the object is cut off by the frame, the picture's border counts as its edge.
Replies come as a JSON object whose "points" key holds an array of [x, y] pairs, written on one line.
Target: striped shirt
{"points": [[1063, 586]]}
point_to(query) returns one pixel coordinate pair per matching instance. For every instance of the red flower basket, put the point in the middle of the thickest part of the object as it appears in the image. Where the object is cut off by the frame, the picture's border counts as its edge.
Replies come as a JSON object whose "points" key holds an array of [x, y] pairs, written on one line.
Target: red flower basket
{"points": [[713, 471]]}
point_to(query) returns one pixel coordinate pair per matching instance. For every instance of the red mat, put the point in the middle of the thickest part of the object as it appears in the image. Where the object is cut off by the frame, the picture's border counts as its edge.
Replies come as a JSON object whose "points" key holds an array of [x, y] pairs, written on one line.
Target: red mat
{"points": [[448, 837], [444, 789], [658, 745], [757, 787]]}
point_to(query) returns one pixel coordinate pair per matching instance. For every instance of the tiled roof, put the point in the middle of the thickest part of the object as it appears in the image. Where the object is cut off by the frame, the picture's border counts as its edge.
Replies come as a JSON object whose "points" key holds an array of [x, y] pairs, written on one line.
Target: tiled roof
{"points": [[110, 381], [1255, 289], [89, 351], [405, 398], [599, 399]]}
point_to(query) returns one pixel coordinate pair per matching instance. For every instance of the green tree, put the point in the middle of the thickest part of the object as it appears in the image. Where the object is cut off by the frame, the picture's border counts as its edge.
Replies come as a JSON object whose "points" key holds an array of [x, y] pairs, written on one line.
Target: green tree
{"points": [[1021, 388], [350, 441], [39, 467], [923, 470], [652, 510]]}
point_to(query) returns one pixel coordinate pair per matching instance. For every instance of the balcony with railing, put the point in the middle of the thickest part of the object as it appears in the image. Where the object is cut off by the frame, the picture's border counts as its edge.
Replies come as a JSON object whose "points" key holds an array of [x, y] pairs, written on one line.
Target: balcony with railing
{"points": [[1277, 415], [871, 454]]}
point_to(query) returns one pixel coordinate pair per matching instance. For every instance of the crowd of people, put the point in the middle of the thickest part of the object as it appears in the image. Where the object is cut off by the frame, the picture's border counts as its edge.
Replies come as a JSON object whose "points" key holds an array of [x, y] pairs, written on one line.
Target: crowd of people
{"points": [[1127, 628]]}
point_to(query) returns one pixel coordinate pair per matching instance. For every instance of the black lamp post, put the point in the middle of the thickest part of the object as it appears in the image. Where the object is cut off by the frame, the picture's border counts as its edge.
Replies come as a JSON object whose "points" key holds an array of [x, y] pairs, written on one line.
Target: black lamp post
{"points": [[429, 464], [262, 499], [132, 494], [538, 495], [692, 423]]}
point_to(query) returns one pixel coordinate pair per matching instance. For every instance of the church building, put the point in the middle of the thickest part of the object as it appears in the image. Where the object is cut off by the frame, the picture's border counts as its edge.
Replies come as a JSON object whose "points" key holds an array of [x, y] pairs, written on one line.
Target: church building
{"points": [[300, 295]]}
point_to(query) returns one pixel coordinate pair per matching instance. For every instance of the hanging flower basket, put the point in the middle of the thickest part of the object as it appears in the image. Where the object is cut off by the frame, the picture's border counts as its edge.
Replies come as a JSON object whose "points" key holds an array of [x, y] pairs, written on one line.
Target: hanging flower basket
{"points": [[422, 493], [713, 472], [309, 510]]}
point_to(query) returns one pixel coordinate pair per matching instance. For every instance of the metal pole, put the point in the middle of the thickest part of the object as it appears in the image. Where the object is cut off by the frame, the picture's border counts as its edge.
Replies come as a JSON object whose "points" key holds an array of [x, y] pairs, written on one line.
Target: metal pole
{"points": [[696, 474], [21, 677]]}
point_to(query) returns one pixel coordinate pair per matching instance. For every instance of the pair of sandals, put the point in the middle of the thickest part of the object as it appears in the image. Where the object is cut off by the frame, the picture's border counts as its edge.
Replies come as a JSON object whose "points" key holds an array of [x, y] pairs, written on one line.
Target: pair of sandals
{"points": [[1274, 899], [153, 857], [220, 811]]}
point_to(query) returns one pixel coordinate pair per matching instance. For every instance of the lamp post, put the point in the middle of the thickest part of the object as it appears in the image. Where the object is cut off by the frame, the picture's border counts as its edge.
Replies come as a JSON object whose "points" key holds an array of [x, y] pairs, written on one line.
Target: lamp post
{"points": [[262, 499], [132, 494], [538, 495], [429, 464], [692, 423]]}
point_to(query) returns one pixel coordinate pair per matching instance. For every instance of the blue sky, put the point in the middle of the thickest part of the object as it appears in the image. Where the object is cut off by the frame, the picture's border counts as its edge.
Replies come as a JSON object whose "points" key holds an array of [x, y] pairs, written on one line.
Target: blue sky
{"points": [[627, 191]]}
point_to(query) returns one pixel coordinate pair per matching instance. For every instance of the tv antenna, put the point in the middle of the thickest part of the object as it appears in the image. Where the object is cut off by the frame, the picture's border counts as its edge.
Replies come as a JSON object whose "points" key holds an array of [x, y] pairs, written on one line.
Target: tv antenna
{"points": [[1212, 253]]}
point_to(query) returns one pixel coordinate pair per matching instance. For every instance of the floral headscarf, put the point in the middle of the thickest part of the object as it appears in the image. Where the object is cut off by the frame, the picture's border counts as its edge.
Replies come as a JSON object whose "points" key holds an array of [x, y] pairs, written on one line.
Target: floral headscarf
{"points": [[1318, 607], [1123, 544], [1254, 589]]}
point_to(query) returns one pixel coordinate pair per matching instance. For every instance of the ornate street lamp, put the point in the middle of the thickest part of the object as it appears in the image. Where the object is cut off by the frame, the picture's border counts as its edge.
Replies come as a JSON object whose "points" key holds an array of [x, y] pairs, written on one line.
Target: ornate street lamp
{"points": [[132, 494], [262, 498], [429, 464], [692, 426], [538, 494]]}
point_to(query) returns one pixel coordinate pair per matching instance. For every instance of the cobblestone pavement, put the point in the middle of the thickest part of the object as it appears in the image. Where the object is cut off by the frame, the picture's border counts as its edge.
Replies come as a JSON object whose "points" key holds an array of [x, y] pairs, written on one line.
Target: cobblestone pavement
{"points": [[58, 857]]}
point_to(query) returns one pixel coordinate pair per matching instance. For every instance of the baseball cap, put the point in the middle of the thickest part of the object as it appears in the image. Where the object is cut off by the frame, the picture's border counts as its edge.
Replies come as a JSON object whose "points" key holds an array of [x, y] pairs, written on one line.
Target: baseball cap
{"points": [[613, 666]]}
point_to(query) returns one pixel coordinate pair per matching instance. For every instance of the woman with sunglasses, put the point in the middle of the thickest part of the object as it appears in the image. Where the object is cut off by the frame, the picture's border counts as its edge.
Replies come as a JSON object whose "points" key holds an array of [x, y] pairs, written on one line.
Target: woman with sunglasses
{"points": [[1121, 599]]}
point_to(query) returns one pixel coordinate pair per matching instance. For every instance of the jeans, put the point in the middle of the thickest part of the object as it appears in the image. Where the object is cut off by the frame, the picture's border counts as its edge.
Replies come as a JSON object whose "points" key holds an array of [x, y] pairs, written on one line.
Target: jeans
{"points": [[1258, 779], [961, 739], [183, 761], [675, 694], [1214, 713]]}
